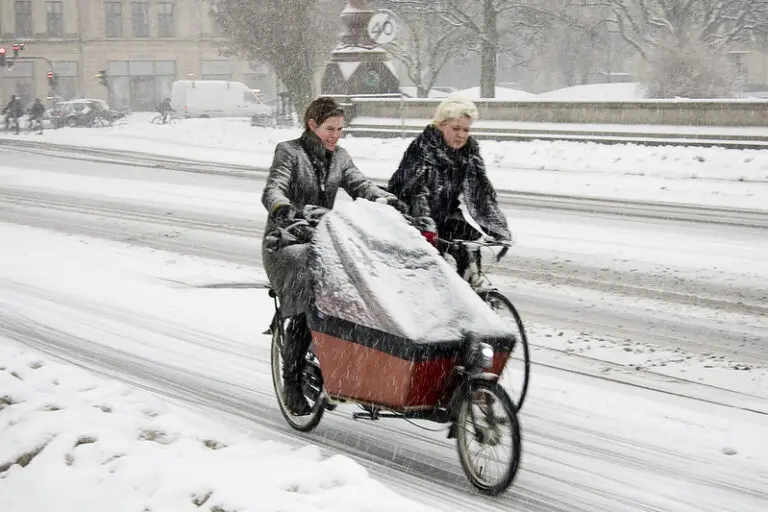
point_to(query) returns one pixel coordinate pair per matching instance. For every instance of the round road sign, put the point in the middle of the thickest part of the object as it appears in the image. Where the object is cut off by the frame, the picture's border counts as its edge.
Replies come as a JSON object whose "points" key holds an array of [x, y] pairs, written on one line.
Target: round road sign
{"points": [[382, 28]]}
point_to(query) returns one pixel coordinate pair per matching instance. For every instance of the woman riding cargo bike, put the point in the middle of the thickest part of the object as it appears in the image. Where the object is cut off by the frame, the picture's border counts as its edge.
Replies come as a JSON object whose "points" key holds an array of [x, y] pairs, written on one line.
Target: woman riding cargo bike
{"points": [[442, 178], [303, 181]]}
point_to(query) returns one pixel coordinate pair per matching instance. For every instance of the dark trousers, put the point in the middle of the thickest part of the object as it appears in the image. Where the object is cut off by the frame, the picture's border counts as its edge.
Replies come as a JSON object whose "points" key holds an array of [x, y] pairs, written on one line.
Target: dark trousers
{"points": [[458, 229], [297, 341]]}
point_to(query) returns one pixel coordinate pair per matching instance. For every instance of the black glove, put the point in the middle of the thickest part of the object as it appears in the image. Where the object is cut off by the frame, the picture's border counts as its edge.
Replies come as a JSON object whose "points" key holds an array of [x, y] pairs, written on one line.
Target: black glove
{"points": [[400, 206], [285, 215], [303, 232]]}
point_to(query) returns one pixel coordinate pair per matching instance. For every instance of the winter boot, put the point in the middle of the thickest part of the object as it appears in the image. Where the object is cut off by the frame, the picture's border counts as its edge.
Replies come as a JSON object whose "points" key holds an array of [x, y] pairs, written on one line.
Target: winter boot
{"points": [[297, 340]]}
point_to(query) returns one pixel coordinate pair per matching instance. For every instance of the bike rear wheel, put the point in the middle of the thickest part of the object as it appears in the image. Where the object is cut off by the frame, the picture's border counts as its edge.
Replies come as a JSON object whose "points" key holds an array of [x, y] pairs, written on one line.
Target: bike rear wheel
{"points": [[312, 381], [520, 367], [487, 418]]}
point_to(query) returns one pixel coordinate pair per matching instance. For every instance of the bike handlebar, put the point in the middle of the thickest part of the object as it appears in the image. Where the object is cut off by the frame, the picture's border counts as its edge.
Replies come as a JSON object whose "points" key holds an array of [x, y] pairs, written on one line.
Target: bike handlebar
{"points": [[481, 242], [505, 244]]}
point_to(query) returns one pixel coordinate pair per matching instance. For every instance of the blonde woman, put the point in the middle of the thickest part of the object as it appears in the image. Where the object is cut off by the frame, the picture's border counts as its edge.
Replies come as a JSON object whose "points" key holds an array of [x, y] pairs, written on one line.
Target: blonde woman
{"points": [[441, 169]]}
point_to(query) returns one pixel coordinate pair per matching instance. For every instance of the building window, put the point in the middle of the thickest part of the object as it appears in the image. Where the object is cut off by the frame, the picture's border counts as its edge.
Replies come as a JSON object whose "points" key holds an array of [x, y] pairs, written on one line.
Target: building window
{"points": [[20, 80], [215, 70], [55, 18], [165, 25], [114, 14], [24, 19], [140, 84], [140, 19], [218, 28], [66, 73]]}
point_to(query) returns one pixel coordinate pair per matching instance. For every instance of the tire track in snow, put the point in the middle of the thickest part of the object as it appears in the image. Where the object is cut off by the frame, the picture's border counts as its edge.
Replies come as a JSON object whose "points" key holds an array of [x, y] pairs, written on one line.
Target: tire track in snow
{"points": [[141, 215], [517, 266]]}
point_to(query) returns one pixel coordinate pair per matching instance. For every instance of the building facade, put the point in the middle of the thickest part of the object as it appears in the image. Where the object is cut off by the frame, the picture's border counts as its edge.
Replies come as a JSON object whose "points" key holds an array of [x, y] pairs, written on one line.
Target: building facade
{"points": [[143, 45]]}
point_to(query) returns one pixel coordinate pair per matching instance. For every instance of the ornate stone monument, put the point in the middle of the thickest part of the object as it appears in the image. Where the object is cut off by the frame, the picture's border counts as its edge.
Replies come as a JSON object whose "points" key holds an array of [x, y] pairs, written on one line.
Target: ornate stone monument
{"points": [[358, 65]]}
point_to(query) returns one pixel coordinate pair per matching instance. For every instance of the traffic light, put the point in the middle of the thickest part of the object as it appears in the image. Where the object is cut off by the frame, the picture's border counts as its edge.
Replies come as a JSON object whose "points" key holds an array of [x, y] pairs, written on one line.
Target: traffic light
{"points": [[16, 49], [53, 79], [101, 76], [2, 57]]}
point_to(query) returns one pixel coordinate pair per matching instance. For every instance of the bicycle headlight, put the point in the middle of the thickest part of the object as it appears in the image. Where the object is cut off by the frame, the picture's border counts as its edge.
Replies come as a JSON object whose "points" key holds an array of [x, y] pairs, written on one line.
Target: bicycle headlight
{"points": [[479, 355], [485, 356]]}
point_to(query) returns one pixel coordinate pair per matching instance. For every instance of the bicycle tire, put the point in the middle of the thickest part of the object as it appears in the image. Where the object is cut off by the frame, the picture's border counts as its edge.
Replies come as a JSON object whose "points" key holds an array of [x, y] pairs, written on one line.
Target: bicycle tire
{"points": [[465, 415], [305, 423], [490, 296]]}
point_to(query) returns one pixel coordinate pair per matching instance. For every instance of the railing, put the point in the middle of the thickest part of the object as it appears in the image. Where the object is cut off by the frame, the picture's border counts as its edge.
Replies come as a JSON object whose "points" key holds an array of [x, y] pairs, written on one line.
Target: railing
{"points": [[741, 124]]}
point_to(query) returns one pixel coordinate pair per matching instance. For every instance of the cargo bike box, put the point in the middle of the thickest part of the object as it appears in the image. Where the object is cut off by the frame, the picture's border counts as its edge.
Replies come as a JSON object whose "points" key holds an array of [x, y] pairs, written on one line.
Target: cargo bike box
{"points": [[392, 319], [396, 332]]}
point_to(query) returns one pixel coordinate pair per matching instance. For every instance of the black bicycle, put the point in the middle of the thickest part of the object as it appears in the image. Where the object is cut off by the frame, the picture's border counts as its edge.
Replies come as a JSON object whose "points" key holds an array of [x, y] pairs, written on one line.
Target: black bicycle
{"points": [[499, 302]]}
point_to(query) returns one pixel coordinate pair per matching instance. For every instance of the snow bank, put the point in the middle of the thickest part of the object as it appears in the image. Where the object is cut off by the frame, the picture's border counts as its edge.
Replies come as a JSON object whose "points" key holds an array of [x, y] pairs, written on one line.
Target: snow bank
{"points": [[597, 92], [708, 176], [502, 93], [378, 271], [74, 442]]}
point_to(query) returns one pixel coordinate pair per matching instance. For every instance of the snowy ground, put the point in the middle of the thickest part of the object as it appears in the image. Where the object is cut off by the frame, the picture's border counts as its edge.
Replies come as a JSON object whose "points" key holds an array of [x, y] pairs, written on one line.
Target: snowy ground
{"points": [[74, 442], [707, 176], [100, 439], [608, 425]]}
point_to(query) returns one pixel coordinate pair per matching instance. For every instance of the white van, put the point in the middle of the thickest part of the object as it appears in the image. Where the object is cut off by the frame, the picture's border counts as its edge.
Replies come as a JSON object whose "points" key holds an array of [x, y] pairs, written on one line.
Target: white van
{"points": [[216, 98]]}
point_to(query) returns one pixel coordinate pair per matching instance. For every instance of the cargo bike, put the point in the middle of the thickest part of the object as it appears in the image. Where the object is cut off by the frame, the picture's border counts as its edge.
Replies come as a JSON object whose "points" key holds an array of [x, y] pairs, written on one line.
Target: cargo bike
{"points": [[373, 348]]}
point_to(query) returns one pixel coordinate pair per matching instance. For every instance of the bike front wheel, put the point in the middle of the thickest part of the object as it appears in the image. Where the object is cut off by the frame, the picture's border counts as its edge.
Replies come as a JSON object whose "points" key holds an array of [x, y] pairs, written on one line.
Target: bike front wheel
{"points": [[487, 421], [519, 366]]}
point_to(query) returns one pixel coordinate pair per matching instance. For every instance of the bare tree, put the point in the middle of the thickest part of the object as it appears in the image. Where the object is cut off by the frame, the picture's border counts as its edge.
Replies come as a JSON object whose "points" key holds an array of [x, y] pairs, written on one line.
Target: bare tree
{"points": [[676, 35], [425, 42], [489, 27], [498, 26], [290, 35], [647, 24], [582, 42]]}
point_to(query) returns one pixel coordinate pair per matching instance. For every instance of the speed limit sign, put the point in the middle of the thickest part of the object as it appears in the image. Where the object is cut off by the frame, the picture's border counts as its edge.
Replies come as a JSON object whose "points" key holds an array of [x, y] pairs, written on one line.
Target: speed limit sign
{"points": [[382, 28]]}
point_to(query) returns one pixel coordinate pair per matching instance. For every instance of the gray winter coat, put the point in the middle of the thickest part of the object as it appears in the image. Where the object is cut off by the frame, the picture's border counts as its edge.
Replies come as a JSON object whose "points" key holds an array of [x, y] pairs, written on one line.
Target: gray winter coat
{"points": [[299, 177]]}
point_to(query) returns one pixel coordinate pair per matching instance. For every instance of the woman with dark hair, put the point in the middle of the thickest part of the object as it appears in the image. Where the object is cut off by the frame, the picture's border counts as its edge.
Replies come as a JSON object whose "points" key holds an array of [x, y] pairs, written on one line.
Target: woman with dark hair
{"points": [[301, 187]]}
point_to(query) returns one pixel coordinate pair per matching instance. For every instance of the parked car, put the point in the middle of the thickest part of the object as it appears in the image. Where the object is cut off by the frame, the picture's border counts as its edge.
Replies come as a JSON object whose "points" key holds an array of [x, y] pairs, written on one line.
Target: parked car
{"points": [[85, 112]]}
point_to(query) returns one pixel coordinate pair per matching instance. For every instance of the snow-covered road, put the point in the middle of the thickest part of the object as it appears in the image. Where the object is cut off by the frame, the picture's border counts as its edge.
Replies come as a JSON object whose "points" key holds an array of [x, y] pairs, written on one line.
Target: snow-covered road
{"points": [[599, 293]]}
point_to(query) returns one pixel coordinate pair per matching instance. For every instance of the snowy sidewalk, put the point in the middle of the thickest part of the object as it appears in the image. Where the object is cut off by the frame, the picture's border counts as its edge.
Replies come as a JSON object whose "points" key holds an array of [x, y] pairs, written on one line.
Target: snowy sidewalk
{"points": [[74, 442], [704, 176]]}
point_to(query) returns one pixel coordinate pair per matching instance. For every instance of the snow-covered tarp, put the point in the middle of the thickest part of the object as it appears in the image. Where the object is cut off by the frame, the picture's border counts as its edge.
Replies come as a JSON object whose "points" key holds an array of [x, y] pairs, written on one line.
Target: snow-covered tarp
{"points": [[374, 269]]}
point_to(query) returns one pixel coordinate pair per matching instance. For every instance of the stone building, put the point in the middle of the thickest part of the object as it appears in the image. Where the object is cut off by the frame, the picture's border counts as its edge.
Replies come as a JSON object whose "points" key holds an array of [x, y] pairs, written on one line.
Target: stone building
{"points": [[143, 45]]}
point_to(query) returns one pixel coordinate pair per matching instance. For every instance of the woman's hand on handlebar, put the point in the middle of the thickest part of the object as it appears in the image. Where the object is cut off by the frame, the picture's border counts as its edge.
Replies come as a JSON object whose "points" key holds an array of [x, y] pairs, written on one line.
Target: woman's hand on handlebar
{"points": [[394, 202]]}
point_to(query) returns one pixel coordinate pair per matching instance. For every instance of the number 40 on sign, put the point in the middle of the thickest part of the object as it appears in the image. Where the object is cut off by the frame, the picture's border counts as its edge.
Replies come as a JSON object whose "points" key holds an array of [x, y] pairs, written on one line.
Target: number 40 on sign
{"points": [[382, 27]]}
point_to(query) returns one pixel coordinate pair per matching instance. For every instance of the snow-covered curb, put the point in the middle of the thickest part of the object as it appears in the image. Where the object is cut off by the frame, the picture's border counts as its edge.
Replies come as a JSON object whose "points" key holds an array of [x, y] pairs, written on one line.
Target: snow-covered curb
{"points": [[72, 441], [707, 176]]}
